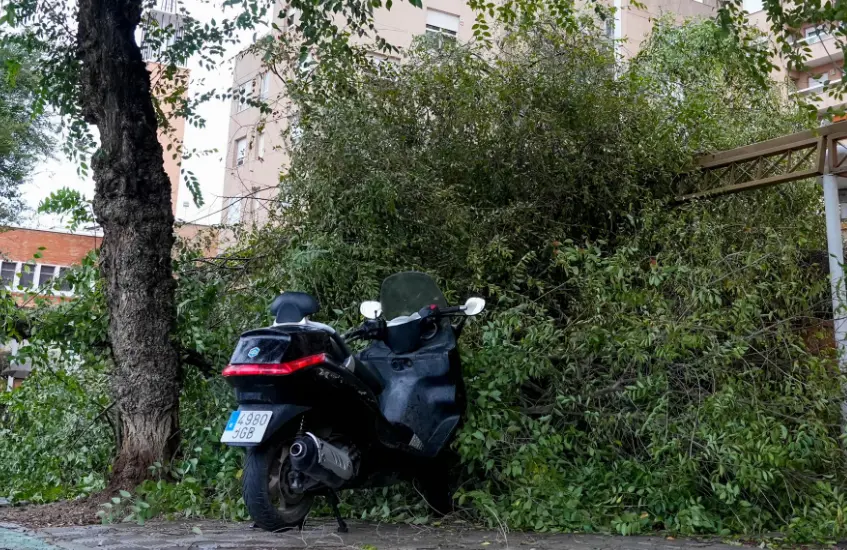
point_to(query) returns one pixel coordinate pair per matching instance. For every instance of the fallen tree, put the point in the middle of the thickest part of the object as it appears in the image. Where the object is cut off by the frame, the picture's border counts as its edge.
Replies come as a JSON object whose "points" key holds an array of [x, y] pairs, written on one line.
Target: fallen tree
{"points": [[641, 366]]}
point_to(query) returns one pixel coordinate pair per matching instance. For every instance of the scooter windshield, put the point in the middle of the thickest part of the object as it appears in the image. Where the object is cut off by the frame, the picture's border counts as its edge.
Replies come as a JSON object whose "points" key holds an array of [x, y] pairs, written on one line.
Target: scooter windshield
{"points": [[406, 293]]}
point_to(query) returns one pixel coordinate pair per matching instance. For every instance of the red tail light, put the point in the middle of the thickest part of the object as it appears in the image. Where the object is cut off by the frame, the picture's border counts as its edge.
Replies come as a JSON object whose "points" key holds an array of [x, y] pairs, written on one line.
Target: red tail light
{"points": [[274, 369]]}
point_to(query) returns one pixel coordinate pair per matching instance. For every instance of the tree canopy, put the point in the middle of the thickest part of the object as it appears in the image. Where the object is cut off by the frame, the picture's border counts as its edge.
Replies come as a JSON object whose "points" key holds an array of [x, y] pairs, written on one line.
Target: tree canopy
{"points": [[25, 133]]}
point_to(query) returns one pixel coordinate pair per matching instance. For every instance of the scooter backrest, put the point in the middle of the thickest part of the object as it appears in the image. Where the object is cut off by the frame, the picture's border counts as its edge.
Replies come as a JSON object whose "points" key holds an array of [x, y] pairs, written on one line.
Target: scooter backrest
{"points": [[292, 307]]}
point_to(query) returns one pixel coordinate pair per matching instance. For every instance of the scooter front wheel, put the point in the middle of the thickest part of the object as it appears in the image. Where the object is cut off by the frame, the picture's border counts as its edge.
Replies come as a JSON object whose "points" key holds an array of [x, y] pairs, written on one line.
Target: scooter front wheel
{"points": [[268, 497]]}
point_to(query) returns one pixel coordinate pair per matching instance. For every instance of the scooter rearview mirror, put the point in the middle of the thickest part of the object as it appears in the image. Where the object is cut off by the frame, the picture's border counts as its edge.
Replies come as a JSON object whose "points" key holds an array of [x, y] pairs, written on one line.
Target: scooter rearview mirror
{"points": [[474, 306], [370, 309]]}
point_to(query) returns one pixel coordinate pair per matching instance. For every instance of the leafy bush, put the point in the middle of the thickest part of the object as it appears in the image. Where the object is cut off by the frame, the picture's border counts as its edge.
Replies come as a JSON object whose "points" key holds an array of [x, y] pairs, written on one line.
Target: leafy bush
{"points": [[50, 446], [641, 366], [679, 395], [55, 437]]}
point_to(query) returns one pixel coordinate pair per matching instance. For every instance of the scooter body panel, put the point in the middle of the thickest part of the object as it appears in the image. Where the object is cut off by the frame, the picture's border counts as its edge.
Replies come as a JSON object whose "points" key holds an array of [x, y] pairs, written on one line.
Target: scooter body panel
{"points": [[423, 389]]}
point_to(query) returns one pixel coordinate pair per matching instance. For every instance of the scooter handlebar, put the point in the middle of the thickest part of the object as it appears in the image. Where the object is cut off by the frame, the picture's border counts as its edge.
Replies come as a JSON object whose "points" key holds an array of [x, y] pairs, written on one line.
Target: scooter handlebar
{"points": [[372, 329], [375, 329]]}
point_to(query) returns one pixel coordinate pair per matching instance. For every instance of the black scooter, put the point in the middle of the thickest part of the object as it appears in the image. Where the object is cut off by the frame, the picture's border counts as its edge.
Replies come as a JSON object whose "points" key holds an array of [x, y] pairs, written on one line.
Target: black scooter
{"points": [[316, 418]]}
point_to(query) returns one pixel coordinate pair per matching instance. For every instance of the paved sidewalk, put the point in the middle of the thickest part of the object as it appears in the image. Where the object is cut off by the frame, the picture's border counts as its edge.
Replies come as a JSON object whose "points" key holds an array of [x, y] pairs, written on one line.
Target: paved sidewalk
{"points": [[209, 535], [12, 538]]}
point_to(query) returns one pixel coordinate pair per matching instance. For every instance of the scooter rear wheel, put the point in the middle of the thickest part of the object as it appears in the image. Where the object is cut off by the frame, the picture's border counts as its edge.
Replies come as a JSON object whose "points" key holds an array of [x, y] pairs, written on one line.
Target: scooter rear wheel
{"points": [[267, 495]]}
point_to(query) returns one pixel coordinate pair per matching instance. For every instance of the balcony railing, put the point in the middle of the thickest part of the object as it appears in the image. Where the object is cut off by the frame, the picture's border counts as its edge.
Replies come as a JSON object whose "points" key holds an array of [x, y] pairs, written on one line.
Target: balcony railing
{"points": [[823, 49], [824, 100]]}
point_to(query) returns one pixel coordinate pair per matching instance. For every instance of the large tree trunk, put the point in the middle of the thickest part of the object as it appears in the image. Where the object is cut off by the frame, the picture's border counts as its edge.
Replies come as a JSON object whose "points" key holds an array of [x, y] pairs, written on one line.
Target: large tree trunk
{"points": [[132, 203]]}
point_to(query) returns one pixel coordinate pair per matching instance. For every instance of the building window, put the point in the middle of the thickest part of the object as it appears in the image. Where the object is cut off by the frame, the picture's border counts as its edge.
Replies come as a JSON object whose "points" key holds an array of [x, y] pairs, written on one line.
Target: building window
{"points": [[240, 151], [7, 273], [30, 273], [233, 213], [64, 284], [818, 82], [46, 274], [178, 35], [161, 28], [610, 28], [27, 275], [306, 63], [379, 60], [245, 92], [260, 145], [291, 14], [294, 128], [442, 25], [265, 90], [814, 35]]}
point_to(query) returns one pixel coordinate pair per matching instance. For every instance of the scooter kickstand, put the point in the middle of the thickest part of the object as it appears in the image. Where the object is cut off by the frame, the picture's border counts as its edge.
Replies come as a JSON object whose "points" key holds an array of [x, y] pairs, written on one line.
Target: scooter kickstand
{"points": [[333, 501]]}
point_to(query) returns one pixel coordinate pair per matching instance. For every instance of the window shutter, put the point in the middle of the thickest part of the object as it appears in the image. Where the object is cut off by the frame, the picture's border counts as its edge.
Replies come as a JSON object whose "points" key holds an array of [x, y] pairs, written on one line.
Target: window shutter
{"points": [[442, 20]]}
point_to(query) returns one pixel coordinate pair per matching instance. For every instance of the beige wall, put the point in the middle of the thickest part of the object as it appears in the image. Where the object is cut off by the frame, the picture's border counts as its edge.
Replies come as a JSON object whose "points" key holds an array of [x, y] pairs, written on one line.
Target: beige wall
{"points": [[173, 138], [173, 158], [257, 178], [204, 237], [404, 21], [759, 20]]}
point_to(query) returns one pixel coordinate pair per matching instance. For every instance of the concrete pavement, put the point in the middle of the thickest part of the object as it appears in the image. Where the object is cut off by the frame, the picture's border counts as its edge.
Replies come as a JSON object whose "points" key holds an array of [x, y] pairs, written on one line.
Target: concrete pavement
{"points": [[214, 535]]}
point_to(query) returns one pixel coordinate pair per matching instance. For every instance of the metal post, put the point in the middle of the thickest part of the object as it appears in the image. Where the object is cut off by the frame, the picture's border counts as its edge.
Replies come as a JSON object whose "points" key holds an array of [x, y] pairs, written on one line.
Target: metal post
{"points": [[835, 248]]}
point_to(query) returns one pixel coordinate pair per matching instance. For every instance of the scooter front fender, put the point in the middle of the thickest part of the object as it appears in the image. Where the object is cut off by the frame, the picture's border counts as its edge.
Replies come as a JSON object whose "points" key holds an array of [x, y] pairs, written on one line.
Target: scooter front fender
{"points": [[282, 415]]}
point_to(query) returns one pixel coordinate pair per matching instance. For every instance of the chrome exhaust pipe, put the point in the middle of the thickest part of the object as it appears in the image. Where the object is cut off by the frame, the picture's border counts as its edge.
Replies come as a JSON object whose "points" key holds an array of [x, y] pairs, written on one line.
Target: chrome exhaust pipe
{"points": [[321, 461]]}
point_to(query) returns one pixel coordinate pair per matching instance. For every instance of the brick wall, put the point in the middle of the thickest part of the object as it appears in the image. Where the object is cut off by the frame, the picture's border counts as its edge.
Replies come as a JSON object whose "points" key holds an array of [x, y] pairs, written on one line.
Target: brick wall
{"points": [[59, 248], [64, 249]]}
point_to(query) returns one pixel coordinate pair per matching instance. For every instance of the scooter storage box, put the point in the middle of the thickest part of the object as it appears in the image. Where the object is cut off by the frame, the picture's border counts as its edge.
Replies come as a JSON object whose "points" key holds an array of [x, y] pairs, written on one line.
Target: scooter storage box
{"points": [[279, 344]]}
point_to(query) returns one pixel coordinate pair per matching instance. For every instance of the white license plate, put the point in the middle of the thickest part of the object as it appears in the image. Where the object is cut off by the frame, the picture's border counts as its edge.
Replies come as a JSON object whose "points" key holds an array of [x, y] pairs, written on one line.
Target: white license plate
{"points": [[246, 426]]}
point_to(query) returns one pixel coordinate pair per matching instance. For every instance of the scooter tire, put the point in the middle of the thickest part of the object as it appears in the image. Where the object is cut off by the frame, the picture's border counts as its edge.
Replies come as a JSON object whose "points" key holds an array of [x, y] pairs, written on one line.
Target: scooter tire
{"points": [[259, 499]]}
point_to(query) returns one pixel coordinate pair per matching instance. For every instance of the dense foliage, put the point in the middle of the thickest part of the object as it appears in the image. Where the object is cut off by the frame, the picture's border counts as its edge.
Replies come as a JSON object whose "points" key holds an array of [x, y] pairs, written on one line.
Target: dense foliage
{"points": [[641, 366], [25, 136]]}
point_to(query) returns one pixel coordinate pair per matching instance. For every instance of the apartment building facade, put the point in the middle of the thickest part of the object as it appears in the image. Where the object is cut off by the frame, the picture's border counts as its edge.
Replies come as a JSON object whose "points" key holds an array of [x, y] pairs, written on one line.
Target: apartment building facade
{"points": [[257, 143], [33, 258], [824, 63]]}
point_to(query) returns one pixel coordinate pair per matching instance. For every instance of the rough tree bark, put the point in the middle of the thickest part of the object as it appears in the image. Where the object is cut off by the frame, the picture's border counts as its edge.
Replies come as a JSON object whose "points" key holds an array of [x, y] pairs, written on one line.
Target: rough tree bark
{"points": [[132, 203]]}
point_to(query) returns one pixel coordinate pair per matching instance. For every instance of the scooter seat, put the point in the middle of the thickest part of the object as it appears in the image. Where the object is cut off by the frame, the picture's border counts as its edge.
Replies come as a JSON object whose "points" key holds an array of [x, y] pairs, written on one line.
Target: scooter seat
{"points": [[368, 374]]}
